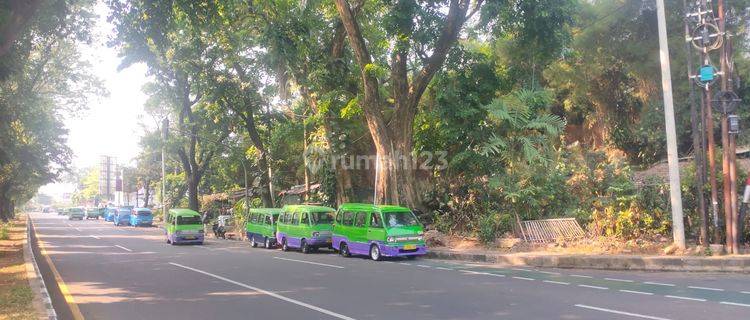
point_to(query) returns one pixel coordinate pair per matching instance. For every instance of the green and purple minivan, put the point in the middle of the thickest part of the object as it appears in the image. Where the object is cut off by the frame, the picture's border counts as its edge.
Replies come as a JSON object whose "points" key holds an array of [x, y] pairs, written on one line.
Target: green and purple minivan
{"points": [[183, 226], [306, 227], [261, 226], [378, 231]]}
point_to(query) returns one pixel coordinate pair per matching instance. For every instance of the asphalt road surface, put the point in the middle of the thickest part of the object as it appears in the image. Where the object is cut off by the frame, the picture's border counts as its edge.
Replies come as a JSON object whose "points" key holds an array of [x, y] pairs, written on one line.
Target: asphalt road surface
{"points": [[132, 273]]}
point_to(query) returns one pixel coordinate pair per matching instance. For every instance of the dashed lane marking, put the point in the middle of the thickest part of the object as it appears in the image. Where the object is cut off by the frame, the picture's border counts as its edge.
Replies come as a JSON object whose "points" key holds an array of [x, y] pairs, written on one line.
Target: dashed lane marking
{"points": [[524, 278], [310, 262], [123, 248], [592, 287], [78, 229], [686, 298], [618, 280], [735, 304], [441, 268], [549, 272], [268, 293], [520, 269], [557, 282], [745, 292], [705, 288], [659, 284], [636, 315], [423, 266], [637, 292], [581, 276]]}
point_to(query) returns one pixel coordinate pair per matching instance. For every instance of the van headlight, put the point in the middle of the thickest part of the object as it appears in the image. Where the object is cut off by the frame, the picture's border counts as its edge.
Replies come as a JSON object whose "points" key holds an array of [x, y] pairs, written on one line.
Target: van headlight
{"points": [[315, 234], [391, 239], [420, 238]]}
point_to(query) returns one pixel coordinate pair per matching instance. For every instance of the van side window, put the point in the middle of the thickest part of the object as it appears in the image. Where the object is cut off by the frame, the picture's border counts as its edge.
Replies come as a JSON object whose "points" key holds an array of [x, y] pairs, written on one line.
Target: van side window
{"points": [[339, 217], [253, 217], [360, 220], [304, 219], [268, 220], [295, 218], [375, 220], [348, 218], [283, 218]]}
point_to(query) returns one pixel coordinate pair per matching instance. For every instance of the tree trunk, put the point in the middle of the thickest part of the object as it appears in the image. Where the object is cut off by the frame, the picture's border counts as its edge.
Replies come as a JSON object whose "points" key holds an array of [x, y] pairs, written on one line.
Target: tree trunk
{"points": [[146, 193], [193, 202]]}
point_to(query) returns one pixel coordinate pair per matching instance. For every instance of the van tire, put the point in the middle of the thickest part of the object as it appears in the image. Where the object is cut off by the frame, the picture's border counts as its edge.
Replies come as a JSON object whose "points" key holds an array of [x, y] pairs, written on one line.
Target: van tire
{"points": [[252, 242], [304, 247], [284, 246], [344, 250], [267, 243], [375, 253]]}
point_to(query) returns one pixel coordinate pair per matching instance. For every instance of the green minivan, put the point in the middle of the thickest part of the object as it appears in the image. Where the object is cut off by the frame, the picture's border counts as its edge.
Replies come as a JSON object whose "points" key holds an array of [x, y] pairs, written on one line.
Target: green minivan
{"points": [[261, 226], [306, 227], [378, 231], [183, 226]]}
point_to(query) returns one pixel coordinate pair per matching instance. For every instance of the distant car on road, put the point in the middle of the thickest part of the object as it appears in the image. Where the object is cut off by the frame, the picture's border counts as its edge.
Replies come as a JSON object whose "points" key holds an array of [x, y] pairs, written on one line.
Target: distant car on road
{"points": [[63, 211], [109, 214], [141, 217], [93, 213], [122, 216], [183, 226], [75, 213]]}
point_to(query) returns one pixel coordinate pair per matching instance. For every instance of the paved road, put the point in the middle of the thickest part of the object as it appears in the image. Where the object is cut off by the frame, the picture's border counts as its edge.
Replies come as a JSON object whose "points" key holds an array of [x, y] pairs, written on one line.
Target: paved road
{"points": [[131, 273]]}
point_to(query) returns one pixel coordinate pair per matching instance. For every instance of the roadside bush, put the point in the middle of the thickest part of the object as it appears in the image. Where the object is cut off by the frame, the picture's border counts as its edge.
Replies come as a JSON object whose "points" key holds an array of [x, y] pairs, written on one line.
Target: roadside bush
{"points": [[5, 231]]}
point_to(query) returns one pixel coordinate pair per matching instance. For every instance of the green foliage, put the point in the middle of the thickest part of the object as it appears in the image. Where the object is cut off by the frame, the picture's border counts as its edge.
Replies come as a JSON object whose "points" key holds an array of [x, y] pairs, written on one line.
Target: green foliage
{"points": [[5, 231]]}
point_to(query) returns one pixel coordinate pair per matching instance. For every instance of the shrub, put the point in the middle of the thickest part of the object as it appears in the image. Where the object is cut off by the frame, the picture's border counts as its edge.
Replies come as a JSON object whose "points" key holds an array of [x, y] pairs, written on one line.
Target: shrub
{"points": [[4, 231]]}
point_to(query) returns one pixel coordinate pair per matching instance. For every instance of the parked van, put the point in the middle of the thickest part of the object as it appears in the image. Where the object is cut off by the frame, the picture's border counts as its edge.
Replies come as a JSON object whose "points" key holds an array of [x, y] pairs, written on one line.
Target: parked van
{"points": [[305, 227], [141, 217], [109, 214], [75, 213], [122, 216], [93, 213], [378, 231], [183, 226], [261, 226]]}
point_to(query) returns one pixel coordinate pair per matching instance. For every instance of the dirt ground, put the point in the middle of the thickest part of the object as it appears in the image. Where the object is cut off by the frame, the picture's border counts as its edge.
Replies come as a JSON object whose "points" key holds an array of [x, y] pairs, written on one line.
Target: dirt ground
{"points": [[599, 245], [15, 294]]}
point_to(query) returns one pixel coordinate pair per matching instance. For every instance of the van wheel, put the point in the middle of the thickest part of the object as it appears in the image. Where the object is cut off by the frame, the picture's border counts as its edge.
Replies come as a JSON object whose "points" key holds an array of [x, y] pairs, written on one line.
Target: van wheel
{"points": [[267, 243], [252, 242], [375, 253], [284, 246], [344, 250], [304, 247]]}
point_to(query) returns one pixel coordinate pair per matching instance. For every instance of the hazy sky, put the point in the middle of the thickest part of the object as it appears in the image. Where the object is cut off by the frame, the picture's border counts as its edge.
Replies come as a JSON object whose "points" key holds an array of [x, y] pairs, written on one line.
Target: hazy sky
{"points": [[111, 125]]}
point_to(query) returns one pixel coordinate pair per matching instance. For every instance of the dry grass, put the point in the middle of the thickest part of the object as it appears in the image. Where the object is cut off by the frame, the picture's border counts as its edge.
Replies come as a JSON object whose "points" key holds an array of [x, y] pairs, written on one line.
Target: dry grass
{"points": [[15, 294]]}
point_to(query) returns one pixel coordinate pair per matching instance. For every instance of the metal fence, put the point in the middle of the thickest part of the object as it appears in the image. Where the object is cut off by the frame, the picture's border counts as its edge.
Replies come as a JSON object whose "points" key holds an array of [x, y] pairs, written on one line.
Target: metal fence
{"points": [[549, 230]]}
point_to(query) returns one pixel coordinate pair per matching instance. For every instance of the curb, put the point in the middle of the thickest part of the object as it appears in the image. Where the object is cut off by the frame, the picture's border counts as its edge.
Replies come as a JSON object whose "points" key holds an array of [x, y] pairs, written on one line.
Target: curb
{"points": [[605, 262], [35, 278]]}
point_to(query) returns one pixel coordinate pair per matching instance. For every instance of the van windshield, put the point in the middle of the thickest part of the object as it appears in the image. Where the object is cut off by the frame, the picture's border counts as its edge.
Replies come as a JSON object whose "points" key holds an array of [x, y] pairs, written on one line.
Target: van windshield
{"points": [[182, 220], [400, 219], [144, 213], [322, 217]]}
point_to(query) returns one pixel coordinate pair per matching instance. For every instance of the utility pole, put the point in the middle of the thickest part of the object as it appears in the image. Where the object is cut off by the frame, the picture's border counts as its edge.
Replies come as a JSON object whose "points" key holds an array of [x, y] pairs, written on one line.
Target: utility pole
{"points": [[678, 228]]}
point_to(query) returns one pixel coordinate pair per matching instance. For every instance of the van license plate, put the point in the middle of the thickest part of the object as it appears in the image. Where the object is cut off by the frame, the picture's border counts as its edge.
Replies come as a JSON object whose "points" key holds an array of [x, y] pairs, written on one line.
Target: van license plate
{"points": [[189, 238], [329, 240], [410, 246]]}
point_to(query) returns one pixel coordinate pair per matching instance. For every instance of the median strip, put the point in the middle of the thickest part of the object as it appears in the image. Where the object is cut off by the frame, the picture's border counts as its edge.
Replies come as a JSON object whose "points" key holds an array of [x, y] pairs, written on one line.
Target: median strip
{"points": [[266, 292]]}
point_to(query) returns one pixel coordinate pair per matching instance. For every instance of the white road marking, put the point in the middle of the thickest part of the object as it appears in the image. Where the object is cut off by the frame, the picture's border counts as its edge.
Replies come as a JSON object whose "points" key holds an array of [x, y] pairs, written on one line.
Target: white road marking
{"points": [[659, 284], [592, 287], [310, 262], [69, 225], [735, 304], [269, 293], [638, 292], [557, 282], [95, 237], [519, 269], [423, 266], [441, 268], [548, 272], [705, 288], [636, 315], [524, 278], [581, 276], [404, 263], [123, 248], [475, 272], [618, 280], [745, 292], [496, 275], [78, 229], [685, 298]]}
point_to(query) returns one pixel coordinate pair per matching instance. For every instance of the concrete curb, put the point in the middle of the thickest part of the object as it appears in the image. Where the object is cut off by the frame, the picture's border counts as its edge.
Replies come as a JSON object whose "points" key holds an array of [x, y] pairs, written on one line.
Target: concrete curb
{"points": [[604, 262], [42, 301]]}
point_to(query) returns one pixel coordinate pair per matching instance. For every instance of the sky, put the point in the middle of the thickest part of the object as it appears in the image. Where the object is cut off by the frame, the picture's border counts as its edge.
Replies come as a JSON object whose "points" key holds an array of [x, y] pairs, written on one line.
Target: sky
{"points": [[111, 125]]}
